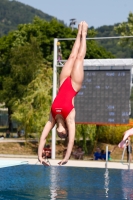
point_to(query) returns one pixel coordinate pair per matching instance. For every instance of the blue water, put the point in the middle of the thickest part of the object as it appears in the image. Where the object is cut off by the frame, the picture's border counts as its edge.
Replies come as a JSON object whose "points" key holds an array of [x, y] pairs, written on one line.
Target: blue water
{"points": [[37, 182]]}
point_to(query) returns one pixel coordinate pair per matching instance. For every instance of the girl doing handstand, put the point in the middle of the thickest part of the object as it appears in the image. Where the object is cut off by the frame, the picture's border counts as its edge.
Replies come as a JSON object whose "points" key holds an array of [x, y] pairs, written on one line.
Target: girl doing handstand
{"points": [[62, 109]]}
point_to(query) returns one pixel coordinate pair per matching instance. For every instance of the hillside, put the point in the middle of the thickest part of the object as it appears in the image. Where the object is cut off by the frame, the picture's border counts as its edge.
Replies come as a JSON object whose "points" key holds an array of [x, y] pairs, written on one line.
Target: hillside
{"points": [[13, 13], [111, 44]]}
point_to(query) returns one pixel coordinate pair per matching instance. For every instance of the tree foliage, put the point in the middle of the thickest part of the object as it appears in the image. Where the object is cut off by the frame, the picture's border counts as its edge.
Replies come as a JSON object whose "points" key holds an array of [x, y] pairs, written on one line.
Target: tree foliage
{"points": [[18, 66], [111, 134], [21, 52], [112, 44], [24, 61], [33, 110], [126, 29], [13, 13], [24, 54], [86, 133]]}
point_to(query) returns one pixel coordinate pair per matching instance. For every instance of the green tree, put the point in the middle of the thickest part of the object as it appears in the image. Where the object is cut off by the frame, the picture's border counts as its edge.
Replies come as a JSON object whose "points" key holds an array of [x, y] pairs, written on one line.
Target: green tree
{"points": [[111, 134], [22, 53], [22, 65], [126, 29], [32, 111], [86, 133]]}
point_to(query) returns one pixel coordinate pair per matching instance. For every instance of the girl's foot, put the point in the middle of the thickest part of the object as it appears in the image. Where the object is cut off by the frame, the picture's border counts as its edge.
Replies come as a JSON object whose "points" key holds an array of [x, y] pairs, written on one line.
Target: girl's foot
{"points": [[84, 28], [80, 25]]}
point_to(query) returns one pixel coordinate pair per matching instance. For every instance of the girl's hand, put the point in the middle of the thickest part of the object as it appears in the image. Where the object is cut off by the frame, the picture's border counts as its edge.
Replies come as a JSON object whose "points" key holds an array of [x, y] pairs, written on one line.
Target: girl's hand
{"points": [[63, 162], [43, 162]]}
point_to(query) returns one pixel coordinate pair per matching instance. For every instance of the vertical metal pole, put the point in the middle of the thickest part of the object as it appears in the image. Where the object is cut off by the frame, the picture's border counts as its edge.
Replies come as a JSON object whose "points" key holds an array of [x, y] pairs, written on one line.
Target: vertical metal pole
{"points": [[129, 149], [106, 164], [54, 94]]}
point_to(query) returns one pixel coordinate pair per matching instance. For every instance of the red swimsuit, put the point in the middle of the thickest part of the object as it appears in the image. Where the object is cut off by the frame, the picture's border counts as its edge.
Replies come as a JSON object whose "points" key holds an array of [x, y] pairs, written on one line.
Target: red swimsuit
{"points": [[63, 102]]}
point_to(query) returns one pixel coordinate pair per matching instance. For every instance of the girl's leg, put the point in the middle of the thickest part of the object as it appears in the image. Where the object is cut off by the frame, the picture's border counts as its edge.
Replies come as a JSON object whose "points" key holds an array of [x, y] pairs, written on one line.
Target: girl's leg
{"points": [[67, 69], [77, 74]]}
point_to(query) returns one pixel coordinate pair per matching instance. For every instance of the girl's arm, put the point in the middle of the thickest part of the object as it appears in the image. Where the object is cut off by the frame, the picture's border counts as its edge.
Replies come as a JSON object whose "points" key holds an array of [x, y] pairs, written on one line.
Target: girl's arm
{"points": [[47, 128], [71, 133]]}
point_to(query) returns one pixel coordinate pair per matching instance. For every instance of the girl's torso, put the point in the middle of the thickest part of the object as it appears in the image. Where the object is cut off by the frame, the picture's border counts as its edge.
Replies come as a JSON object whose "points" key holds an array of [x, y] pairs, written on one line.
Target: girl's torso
{"points": [[63, 102]]}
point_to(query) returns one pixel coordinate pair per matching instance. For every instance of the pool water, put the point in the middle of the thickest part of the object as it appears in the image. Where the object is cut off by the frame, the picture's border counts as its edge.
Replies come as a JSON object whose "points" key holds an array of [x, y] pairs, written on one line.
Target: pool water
{"points": [[37, 182]]}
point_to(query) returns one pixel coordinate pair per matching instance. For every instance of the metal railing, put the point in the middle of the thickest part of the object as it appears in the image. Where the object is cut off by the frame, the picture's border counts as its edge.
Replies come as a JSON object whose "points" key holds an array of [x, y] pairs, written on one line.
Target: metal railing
{"points": [[129, 149], [106, 163]]}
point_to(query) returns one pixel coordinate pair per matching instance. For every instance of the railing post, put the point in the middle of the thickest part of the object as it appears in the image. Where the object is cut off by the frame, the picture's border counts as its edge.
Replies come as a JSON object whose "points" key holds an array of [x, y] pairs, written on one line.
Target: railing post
{"points": [[106, 164], [54, 94], [129, 149]]}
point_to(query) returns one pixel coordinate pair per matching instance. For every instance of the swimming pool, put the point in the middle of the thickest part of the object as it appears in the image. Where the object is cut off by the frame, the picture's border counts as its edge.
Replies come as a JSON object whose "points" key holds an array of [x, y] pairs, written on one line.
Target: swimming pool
{"points": [[36, 182]]}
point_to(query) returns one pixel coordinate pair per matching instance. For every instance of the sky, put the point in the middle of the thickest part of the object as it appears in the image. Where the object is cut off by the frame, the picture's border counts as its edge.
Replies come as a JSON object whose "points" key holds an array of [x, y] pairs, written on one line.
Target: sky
{"points": [[95, 12]]}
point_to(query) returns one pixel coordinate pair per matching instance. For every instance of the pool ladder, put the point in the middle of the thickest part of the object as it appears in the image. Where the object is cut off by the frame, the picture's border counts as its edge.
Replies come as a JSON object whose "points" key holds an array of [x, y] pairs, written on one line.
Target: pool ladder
{"points": [[128, 164]]}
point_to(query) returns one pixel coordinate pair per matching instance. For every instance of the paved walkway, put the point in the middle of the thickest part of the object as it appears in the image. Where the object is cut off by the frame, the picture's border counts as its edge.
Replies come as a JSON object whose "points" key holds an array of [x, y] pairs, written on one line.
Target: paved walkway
{"points": [[6, 140], [71, 163]]}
